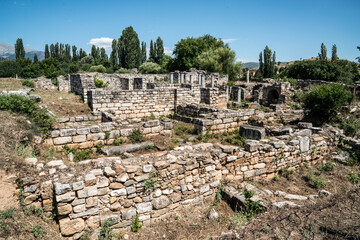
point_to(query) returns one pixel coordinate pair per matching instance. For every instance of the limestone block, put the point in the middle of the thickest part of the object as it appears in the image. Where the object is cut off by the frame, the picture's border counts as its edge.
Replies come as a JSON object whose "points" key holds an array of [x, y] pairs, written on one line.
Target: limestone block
{"points": [[61, 188], [143, 207], [79, 138], [64, 210], [252, 132], [67, 197], [128, 214], [70, 227], [62, 140]]}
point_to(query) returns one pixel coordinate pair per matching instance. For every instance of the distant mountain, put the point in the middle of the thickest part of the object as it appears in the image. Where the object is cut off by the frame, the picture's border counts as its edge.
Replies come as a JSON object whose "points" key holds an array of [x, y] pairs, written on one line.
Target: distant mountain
{"points": [[256, 64], [7, 51], [251, 65]]}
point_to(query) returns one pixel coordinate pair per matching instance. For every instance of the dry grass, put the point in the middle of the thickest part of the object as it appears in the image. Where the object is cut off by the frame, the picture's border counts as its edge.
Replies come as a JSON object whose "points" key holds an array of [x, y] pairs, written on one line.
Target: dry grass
{"points": [[11, 84]]}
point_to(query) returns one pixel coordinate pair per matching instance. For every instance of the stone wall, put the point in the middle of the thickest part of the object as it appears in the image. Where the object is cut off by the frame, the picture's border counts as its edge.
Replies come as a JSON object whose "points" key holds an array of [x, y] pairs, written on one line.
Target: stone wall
{"points": [[218, 120], [211, 96], [44, 83], [85, 136], [63, 83], [152, 187], [140, 103]]}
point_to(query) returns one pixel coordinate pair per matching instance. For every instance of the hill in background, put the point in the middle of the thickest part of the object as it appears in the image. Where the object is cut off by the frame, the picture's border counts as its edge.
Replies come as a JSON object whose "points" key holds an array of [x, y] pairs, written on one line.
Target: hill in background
{"points": [[7, 51]]}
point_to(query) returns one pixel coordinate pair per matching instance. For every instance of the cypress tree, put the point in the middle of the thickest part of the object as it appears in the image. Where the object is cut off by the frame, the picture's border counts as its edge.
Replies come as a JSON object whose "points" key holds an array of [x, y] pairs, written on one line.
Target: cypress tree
{"points": [[323, 53], [61, 50], [159, 50], [143, 52], [82, 53], [36, 60], [261, 64], [19, 49], [152, 56], [95, 52], [268, 66], [113, 55], [334, 55], [121, 52], [67, 53], [273, 64], [47, 53], [52, 51]]}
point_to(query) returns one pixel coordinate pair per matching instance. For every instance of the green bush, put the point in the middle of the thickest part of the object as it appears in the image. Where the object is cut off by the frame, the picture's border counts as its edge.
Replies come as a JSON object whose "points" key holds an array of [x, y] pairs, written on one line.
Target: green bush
{"points": [[122, 70], [100, 83], [180, 130], [353, 178], [149, 67], [336, 71], [323, 102], [23, 105], [248, 194], [318, 183], [293, 82], [31, 71], [350, 125], [329, 166], [82, 154], [106, 230], [28, 83], [136, 136], [9, 68], [73, 67], [118, 141], [98, 68], [135, 227]]}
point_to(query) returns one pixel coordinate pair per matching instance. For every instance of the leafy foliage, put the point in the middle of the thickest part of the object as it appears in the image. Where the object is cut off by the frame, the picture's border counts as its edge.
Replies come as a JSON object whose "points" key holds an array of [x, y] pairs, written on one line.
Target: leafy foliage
{"points": [[323, 102], [150, 67], [28, 83], [98, 68], [135, 227], [136, 136], [26, 106], [335, 71]]}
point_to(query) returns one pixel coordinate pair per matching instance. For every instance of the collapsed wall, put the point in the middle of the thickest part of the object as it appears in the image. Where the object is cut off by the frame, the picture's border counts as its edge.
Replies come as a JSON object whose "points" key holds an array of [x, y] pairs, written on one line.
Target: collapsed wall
{"points": [[152, 186]]}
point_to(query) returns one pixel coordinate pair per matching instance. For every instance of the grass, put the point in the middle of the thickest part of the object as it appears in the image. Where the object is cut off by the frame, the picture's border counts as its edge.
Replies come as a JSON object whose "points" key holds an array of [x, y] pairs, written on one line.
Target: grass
{"points": [[136, 136]]}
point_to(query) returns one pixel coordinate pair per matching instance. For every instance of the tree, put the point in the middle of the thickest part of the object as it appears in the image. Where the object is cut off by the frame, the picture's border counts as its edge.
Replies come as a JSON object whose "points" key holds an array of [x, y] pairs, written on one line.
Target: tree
{"points": [[103, 55], [113, 55], [36, 60], [121, 52], [61, 51], [19, 49], [159, 50], [220, 60], [67, 53], [187, 50], [323, 53], [143, 52], [74, 53], [52, 51], [130, 48], [9, 68], [273, 63], [269, 67], [152, 55], [261, 64], [57, 51], [149, 67], [334, 55], [47, 53], [82, 53], [358, 58], [95, 52]]}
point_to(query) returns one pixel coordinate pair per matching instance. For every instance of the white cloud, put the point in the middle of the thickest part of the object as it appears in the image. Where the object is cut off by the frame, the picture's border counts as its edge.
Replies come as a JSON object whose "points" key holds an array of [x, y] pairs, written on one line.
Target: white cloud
{"points": [[229, 40], [168, 51], [103, 42]]}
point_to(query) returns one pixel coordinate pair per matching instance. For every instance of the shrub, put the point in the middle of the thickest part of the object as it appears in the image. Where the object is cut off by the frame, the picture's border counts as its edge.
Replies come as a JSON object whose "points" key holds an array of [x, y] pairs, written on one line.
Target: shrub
{"points": [[248, 194], [100, 83], [350, 125], [98, 68], [135, 227], [318, 183], [328, 166], [149, 67], [38, 231], [323, 102], [293, 82], [136, 136], [118, 141], [122, 70], [31, 71], [23, 105], [180, 130], [28, 83], [151, 182], [73, 67], [106, 230], [82, 154], [353, 178]]}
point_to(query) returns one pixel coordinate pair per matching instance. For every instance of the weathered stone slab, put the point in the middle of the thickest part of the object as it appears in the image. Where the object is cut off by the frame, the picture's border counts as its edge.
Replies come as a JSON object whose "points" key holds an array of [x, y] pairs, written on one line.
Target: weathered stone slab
{"points": [[116, 150], [252, 132]]}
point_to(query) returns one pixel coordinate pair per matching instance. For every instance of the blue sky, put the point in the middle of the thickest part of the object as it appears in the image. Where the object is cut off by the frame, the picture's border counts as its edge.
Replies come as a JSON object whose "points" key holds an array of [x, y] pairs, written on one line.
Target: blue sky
{"points": [[294, 29]]}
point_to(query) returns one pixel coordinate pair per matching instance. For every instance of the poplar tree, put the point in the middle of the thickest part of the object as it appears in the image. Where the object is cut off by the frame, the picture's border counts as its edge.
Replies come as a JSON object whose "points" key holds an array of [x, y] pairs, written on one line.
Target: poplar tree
{"points": [[82, 53], [61, 50], [57, 51], [95, 52], [74, 53], [273, 63], [159, 50], [143, 52], [103, 55], [121, 51], [130, 48], [19, 49], [67, 53], [47, 53], [152, 56], [113, 55], [334, 55], [323, 53], [269, 63]]}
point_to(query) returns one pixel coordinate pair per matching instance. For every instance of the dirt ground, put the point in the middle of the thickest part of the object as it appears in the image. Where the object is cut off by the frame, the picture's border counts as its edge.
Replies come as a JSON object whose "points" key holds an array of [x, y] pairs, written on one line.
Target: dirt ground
{"points": [[62, 104]]}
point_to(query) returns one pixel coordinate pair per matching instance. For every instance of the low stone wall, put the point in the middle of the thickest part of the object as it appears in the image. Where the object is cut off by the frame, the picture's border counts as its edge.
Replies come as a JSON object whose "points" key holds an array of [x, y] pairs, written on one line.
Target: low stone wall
{"points": [[44, 83], [219, 120], [152, 188], [85, 136], [63, 83]]}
